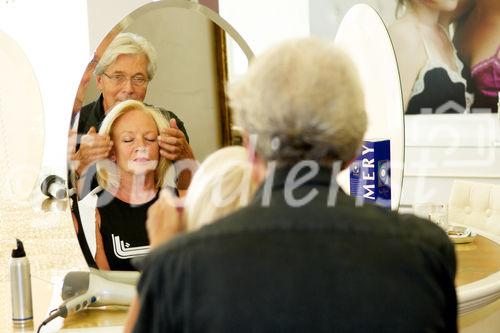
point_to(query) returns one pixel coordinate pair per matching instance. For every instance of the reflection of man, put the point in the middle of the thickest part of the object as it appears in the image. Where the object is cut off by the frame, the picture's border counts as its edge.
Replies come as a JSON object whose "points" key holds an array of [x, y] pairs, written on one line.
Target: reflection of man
{"points": [[122, 73], [301, 257]]}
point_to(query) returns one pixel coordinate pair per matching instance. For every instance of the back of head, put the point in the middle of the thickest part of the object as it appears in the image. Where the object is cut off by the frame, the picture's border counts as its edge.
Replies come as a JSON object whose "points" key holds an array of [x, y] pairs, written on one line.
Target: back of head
{"points": [[131, 44], [221, 185], [304, 101]]}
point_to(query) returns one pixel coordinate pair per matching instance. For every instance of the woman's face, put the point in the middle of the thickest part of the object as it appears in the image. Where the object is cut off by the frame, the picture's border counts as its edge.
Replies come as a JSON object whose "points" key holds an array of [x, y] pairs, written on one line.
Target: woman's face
{"points": [[135, 145]]}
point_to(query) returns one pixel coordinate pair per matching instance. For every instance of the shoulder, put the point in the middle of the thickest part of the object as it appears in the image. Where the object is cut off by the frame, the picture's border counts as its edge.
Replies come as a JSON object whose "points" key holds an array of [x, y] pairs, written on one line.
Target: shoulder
{"points": [[88, 116], [423, 229], [405, 34]]}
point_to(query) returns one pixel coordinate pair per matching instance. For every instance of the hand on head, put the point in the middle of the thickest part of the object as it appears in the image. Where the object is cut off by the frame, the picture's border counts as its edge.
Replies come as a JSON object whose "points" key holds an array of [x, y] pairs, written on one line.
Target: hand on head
{"points": [[93, 147], [165, 219], [173, 143]]}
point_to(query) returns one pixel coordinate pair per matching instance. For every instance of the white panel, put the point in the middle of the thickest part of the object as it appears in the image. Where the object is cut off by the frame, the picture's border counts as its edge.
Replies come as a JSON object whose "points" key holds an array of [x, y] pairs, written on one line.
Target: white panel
{"points": [[53, 34], [364, 37]]}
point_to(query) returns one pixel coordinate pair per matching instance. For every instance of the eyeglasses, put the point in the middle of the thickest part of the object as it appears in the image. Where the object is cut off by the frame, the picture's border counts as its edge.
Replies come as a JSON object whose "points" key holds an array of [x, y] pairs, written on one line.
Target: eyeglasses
{"points": [[119, 79]]}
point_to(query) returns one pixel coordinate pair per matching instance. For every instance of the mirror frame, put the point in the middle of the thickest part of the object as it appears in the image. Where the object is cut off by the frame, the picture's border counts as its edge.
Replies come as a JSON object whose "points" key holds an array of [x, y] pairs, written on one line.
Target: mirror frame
{"points": [[221, 27]]}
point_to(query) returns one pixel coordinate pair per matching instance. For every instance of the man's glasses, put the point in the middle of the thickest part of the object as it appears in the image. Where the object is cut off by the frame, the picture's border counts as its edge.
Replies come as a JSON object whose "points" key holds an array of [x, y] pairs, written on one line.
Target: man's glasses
{"points": [[120, 79]]}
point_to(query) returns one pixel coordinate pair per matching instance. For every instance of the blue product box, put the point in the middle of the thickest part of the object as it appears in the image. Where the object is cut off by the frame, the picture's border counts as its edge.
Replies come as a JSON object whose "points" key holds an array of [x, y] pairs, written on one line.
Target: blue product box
{"points": [[370, 173]]}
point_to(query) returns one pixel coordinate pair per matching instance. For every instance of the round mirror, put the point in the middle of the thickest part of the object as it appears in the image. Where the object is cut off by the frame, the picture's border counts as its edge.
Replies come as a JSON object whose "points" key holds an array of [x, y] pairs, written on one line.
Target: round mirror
{"points": [[21, 124], [195, 49], [363, 35]]}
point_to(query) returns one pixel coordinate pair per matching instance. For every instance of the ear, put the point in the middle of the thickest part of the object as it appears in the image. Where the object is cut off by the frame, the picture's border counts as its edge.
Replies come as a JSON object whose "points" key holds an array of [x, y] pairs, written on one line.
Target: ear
{"points": [[112, 155], [98, 81], [345, 165], [259, 170]]}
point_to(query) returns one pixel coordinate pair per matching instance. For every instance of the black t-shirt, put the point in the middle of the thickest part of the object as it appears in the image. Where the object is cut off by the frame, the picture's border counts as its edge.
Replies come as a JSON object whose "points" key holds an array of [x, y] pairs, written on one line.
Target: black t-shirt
{"points": [[123, 230], [313, 268]]}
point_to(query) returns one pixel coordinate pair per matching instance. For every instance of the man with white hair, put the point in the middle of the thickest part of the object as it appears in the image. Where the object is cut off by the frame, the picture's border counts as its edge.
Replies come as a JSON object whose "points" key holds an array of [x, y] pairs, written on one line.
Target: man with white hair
{"points": [[302, 256], [122, 73]]}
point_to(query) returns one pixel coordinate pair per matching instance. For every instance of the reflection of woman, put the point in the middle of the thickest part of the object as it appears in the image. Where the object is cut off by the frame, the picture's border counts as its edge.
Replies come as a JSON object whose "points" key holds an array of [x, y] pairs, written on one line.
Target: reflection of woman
{"points": [[477, 38], [123, 72], [131, 179], [430, 70], [221, 185]]}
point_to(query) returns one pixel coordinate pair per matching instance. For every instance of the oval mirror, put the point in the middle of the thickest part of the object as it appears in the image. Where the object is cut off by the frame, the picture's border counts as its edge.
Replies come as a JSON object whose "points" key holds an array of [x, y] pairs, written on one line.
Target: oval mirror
{"points": [[363, 35], [21, 124], [195, 59]]}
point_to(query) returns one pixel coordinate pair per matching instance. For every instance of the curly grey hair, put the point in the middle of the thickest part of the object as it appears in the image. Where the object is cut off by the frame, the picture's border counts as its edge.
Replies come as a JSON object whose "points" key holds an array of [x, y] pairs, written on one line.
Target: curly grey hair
{"points": [[128, 43], [303, 100]]}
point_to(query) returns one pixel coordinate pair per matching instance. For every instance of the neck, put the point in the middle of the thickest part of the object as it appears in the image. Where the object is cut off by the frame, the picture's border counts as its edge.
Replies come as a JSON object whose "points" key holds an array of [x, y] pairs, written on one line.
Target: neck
{"points": [[423, 14], [136, 189]]}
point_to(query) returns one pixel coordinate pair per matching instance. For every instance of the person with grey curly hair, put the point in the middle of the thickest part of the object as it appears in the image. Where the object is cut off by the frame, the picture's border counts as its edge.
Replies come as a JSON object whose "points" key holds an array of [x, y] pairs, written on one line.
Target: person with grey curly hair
{"points": [[302, 256], [302, 113], [123, 72]]}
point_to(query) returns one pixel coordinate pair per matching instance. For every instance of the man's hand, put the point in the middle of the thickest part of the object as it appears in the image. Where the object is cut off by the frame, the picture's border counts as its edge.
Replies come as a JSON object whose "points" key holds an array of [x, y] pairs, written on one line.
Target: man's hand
{"points": [[173, 143], [165, 219], [93, 147], [174, 146]]}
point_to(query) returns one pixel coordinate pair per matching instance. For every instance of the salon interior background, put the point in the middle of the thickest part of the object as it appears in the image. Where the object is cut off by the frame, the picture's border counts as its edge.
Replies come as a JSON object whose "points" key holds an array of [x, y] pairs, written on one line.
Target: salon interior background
{"points": [[59, 36]]}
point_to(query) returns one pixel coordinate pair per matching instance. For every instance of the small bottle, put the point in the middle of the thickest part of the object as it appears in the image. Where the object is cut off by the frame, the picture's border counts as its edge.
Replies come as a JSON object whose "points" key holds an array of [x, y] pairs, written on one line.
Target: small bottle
{"points": [[20, 287]]}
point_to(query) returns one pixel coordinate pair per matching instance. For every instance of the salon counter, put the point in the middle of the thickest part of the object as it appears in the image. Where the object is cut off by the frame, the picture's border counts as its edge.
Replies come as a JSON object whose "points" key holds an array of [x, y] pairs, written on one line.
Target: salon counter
{"points": [[478, 283], [53, 250]]}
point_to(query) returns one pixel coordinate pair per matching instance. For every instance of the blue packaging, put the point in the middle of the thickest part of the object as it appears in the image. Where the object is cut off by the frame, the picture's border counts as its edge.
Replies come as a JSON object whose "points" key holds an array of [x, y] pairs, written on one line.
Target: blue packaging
{"points": [[370, 173]]}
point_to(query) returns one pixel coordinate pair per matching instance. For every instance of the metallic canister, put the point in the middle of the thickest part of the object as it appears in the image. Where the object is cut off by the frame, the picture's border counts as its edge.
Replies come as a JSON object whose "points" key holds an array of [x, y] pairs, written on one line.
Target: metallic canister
{"points": [[20, 287]]}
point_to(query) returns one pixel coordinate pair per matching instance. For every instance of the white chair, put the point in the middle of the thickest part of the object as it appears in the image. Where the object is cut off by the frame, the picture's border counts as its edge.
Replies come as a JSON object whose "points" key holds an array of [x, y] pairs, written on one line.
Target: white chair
{"points": [[476, 205]]}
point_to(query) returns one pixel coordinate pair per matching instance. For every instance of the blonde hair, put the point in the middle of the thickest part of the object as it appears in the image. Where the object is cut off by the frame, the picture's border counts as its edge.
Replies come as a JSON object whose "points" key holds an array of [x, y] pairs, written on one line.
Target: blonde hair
{"points": [[131, 44], [105, 177], [221, 185], [303, 100]]}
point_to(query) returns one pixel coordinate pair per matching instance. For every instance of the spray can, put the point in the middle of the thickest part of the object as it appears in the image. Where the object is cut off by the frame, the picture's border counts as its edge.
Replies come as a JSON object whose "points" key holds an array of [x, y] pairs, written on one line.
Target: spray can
{"points": [[20, 287]]}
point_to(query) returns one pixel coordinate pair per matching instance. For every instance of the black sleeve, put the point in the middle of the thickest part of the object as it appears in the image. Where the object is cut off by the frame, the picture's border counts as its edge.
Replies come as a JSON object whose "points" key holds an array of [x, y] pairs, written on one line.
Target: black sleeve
{"points": [[161, 293]]}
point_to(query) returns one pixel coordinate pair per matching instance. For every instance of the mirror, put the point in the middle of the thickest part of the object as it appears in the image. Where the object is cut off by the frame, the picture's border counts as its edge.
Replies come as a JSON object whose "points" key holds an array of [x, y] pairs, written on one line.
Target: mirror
{"points": [[440, 148], [193, 67], [21, 124], [452, 126], [369, 46]]}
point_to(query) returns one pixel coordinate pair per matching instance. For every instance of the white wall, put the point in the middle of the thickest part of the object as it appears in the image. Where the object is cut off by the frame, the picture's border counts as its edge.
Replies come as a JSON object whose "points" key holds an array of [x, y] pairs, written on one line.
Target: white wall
{"points": [[53, 35], [263, 23]]}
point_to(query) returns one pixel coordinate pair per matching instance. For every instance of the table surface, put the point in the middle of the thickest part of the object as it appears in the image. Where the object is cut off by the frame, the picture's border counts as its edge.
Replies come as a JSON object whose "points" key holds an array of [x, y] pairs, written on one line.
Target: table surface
{"points": [[476, 260], [49, 264]]}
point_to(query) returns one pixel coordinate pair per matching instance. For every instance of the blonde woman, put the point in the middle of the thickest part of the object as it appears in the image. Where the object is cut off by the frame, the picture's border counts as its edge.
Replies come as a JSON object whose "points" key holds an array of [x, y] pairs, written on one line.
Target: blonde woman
{"points": [[130, 180], [431, 73], [124, 72]]}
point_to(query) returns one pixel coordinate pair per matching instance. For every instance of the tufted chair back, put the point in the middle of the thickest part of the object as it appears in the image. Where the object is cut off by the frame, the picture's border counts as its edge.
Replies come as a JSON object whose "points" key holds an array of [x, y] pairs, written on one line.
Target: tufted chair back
{"points": [[476, 205]]}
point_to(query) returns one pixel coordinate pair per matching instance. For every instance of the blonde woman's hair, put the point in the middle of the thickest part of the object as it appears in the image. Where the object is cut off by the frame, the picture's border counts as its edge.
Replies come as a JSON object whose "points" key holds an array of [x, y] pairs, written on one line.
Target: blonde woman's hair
{"points": [[303, 101], [221, 185], [107, 172], [131, 44]]}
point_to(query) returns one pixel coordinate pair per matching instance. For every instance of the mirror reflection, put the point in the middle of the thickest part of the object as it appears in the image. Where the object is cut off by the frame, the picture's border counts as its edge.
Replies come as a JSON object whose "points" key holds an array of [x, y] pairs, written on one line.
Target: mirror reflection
{"points": [[369, 46], [456, 135], [171, 58]]}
